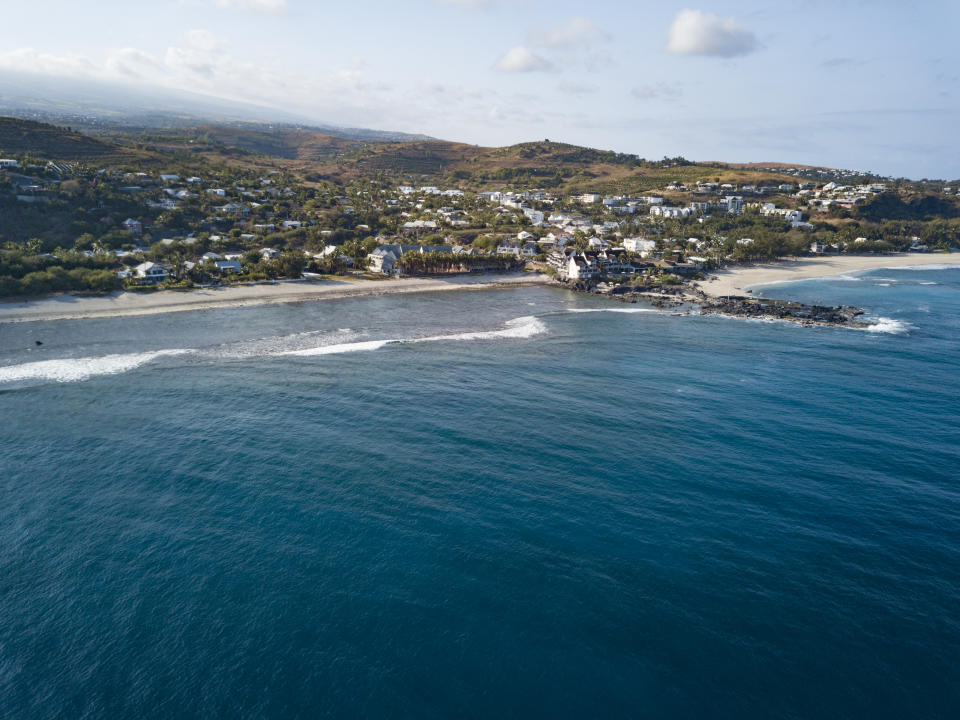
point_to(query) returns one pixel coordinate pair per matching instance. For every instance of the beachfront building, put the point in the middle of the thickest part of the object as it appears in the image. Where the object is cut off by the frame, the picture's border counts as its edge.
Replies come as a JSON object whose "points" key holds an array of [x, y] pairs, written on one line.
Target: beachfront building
{"points": [[151, 272]]}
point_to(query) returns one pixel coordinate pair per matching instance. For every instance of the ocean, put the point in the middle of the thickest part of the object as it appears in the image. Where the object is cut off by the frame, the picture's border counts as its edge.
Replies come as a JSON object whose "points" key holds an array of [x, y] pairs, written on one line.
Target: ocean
{"points": [[518, 502]]}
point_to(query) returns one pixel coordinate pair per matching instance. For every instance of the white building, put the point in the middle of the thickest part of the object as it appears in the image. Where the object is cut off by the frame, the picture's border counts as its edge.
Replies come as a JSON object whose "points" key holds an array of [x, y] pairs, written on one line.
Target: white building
{"points": [[640, 245]]}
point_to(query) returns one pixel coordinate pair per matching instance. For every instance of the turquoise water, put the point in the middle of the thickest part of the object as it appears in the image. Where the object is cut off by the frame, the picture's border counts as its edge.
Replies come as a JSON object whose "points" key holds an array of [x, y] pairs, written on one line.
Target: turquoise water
{"points": [[473, 504]]}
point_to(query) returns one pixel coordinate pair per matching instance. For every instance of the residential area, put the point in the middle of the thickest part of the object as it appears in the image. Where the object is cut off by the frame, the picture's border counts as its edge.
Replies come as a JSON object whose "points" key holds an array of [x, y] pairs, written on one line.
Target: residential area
{"points": [[71, 226]]}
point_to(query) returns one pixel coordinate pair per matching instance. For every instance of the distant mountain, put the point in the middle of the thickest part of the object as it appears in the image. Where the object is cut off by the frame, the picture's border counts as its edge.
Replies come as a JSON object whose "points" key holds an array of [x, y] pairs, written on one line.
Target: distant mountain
{"points": [[91, 106]]}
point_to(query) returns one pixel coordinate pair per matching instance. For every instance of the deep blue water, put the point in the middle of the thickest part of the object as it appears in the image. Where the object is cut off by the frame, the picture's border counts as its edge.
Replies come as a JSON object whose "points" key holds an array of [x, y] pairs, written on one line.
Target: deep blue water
{"points": [[533, 512]]}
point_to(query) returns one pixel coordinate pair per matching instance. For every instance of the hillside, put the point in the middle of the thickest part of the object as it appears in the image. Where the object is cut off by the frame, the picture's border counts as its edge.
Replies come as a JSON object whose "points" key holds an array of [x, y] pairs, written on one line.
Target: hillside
{"points": [[318, 155], [54, 143]]}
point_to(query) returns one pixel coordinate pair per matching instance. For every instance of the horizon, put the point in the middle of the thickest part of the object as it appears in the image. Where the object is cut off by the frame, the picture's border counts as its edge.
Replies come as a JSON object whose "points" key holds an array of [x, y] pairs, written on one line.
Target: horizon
{"points": [[736, 81]]}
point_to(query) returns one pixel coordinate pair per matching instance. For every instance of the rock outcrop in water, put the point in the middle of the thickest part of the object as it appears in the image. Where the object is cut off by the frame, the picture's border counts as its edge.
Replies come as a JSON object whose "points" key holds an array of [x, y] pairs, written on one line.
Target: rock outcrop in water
{"points": [[738, 306], [676, 296]]}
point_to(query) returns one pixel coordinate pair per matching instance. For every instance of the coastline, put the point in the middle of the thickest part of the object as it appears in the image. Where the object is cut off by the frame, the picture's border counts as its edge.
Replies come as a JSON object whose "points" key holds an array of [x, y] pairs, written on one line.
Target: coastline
{"points": [[126, 304], [737, 280]]}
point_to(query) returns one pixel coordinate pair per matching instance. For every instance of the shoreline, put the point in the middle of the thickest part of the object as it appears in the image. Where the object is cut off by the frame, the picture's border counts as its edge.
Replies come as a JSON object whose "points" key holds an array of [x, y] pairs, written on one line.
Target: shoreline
{"points": [[130, 304], [737, 280]]}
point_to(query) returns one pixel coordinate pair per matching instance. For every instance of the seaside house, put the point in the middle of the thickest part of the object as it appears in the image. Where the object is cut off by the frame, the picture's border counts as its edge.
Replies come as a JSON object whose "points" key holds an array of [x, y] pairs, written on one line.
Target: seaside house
{"points": [[151, 272], [228, 267]]}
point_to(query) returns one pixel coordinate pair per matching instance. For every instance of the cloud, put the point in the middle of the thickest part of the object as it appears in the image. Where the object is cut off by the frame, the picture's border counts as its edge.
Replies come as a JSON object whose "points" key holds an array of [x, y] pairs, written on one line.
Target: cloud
{"points": [[697, 33], [577, 89], [467, 3], [261, 6], [522, 59], [658, 91], [577, 32]]}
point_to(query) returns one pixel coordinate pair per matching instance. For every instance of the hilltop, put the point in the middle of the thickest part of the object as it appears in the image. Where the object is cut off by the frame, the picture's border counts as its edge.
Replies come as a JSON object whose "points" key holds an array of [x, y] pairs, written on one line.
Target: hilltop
{"points": [[344, 157], [55, 143]]}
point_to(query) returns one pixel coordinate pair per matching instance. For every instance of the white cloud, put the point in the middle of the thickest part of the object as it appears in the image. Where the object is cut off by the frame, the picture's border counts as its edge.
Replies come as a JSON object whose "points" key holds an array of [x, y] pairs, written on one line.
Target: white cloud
{"points": [[467, 3], [697, 33], [522, 59], [577, 32], [658, 91], [262, 6], [571, 88]]}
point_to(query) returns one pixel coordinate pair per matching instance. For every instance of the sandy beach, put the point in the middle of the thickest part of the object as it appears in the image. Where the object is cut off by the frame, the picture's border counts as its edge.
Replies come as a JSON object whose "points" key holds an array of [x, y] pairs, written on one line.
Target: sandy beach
{"points": [[736, 281], [73, 307]]}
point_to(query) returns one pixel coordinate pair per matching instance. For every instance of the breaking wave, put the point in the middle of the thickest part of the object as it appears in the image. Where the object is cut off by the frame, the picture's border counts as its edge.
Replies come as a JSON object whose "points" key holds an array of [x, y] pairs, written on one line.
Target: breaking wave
{"points": [[66, 370], [518, 328], [888, 326], [613, 310], [932, 266], [338, 348], [78, 369]]}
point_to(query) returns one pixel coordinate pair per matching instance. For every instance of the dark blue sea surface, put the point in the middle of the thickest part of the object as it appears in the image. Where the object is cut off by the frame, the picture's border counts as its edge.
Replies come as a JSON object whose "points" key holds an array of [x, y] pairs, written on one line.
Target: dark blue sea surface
{"points": [[471, 504]]}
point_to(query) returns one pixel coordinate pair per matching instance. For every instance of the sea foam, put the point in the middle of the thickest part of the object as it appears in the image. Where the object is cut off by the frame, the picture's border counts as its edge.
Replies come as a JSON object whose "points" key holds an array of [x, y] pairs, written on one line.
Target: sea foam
{"points": [[888, 326], [613, 310], [518, 328], [78, 369]]}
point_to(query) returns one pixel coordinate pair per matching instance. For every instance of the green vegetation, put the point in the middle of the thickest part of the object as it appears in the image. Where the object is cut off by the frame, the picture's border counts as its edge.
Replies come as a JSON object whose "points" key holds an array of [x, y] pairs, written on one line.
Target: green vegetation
{"points": [[290, 200], [25, 274]]}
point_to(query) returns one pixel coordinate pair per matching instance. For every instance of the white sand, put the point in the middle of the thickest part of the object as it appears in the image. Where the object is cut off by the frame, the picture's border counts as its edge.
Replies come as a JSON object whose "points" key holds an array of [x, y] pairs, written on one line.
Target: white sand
{"points": [[736, 280], [70, 307]]}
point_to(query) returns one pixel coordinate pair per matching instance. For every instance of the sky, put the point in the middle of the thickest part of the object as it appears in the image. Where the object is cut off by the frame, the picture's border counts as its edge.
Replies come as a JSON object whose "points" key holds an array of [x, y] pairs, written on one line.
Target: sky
{"points": [[860, 84]]}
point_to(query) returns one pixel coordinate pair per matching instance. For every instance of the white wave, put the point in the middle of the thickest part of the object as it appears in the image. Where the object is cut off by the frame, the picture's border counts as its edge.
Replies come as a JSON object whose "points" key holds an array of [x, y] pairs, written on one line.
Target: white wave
{"points": [[78, 369], [888, 326], [929, 283], [883, 284], [278, 345], [931, 266], [518, 328], [521, 327], [614, 310], [340, 348]]}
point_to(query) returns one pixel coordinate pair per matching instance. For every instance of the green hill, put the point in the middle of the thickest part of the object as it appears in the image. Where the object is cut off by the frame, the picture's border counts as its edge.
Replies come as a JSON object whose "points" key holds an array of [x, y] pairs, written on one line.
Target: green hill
{"points": [[53, 143]]}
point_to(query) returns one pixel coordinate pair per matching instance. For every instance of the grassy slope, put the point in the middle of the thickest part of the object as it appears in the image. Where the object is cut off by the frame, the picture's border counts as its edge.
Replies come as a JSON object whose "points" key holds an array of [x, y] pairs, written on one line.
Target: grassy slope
{"points": [[559, 166], [56, 143]]}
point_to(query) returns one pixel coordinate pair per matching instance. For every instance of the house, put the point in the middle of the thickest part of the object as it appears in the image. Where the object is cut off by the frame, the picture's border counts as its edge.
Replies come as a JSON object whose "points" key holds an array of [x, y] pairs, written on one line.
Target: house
{"points": [[134, 226], [228, 267], [818, 248], [269, 253], [234, 209], [509, 248], [524, 236], [152, 272], [733, 204], [8, 163], [169, 178], [640, 245], [589, 198], [210, 256], [581, 267], [384, 258], [536, 217], [418, 226], [670, 212]]}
